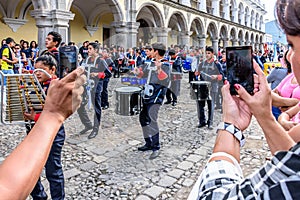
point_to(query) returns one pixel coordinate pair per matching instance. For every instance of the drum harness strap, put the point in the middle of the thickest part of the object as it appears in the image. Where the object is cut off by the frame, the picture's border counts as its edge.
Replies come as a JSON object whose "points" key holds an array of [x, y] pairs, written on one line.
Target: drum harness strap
{"points": [[90, 83]]}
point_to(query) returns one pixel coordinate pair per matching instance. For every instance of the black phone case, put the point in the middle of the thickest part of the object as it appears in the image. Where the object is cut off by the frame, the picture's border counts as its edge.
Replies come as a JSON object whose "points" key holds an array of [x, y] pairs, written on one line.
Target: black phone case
{"points": [[68, 60], [240, 70]]}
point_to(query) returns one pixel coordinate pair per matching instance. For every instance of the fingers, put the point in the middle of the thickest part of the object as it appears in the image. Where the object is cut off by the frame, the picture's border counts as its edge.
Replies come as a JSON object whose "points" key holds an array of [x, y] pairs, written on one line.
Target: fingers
{"points": [[73, 75], [242, 92], [260, 76]]}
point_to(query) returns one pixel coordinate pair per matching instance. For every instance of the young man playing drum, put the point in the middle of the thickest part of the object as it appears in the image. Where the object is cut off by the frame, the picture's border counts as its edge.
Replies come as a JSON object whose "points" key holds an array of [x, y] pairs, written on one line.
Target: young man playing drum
{"points": [[209, 70], [158, 80]]}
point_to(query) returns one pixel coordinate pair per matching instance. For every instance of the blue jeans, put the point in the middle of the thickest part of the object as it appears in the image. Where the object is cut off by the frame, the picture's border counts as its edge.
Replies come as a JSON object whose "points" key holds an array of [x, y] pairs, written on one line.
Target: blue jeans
{"points": [[54, 172], [6, 71]]}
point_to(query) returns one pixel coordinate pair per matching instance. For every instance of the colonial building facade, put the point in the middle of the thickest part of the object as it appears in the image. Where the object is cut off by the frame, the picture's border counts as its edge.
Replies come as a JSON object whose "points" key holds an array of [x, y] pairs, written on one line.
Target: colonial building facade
{"points": [[130, 23]]}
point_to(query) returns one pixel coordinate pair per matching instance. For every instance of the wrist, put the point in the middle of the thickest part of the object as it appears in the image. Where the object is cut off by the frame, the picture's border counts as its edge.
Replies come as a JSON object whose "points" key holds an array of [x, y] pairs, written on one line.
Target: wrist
{"points": [[233, 130], [52, 116]]}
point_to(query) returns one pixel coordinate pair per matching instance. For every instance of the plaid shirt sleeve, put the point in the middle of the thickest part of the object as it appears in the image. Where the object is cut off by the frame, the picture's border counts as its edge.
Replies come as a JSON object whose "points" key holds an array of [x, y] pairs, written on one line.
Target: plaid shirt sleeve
{"points": [[277, 179]]}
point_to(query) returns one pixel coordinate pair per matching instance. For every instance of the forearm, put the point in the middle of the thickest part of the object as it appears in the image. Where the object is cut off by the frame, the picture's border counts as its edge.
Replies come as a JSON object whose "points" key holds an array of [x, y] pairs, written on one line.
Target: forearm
{"points": [[226, 142], [21, 169], [280, 101], [277, 138]]}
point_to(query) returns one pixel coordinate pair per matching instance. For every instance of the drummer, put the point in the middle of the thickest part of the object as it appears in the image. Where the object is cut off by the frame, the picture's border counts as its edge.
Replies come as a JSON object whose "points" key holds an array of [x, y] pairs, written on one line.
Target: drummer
{"points": [[155, 90], [208, 70]]}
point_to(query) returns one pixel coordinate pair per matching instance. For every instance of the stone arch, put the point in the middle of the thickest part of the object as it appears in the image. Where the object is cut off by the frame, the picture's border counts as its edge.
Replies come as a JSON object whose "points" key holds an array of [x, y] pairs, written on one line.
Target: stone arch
{"points": [[247, 39], [257, 21], [149, 17], [233, 35], [223, 36], [252, 19], [233, 10], [178, 19], [178, 27], [247, 16], [261, 21], [241, 38], [241, 17], [24, 9], [153, 15], [212, 33], [198, 35]]}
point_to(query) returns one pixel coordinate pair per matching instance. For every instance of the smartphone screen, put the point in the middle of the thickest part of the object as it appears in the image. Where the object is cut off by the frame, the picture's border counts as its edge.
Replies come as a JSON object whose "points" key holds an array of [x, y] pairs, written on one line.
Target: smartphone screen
{"points": [[239, 64], [67, 60]]}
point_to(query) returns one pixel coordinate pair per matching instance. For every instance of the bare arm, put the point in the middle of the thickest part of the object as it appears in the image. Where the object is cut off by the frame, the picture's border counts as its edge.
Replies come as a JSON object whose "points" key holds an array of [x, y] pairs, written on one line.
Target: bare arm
{"points": [[280, 101], [284, 118], [21, 169], [260, 105]]}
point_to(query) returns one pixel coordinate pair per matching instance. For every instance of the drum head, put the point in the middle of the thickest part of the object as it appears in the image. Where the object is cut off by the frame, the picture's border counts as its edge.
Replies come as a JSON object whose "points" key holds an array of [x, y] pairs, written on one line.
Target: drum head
{"points": [[200, 83], [128, 90]]}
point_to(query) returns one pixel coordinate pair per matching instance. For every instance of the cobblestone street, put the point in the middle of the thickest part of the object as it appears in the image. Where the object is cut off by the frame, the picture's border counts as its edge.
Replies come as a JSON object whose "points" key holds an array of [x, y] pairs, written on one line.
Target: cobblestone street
{"points": [[110, 167]]}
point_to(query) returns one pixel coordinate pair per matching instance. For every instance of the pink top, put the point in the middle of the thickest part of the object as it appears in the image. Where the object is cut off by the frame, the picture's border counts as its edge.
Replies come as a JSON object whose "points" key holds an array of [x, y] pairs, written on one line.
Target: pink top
{"points": [[287, 89]]}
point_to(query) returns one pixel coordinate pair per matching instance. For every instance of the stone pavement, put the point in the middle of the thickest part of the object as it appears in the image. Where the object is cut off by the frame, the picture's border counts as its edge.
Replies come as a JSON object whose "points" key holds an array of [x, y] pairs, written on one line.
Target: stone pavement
{"points": [[110, 167]]}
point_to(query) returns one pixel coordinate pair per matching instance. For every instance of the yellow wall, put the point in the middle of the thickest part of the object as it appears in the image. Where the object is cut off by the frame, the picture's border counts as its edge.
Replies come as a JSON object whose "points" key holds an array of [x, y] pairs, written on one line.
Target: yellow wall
{"points": [[78, 32], [27, 32]]}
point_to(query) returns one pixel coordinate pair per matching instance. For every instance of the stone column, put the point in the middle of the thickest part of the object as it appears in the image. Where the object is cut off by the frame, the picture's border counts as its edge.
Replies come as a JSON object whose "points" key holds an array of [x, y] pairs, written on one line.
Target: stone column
{"points": [[162, 35], [60, 20], [44, 24], [226, 11], [132, 33], [235, 42], [225, 42], [202, 41], [216, 7], [215, 45], [242, 42], [242, 17], [185, 38], [235, 15], [202, 5], [120, 38]]}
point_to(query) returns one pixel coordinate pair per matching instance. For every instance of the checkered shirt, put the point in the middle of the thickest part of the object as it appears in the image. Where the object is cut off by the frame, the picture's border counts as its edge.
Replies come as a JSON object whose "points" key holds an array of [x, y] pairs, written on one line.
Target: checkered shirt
{"points": [[277, 179]]}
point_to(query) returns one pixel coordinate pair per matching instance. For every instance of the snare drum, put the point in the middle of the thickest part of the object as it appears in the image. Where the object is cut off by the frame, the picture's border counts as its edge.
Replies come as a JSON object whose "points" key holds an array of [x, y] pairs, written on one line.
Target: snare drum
{"points": [[133, 81], [142, 81], [128, 100], [200, 90]]}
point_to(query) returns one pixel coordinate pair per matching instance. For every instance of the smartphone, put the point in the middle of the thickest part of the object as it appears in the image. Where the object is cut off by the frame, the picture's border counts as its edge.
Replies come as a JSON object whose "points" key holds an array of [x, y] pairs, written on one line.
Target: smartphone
{"points": [[240, 70], [68, 60]]}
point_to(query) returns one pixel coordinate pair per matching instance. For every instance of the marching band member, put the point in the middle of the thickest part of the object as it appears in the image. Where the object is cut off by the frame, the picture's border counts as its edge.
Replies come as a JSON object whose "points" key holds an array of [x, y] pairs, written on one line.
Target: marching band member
{"points": [[155, 90], [209, 70], [97, 70], [46, 67], [174, 89]]}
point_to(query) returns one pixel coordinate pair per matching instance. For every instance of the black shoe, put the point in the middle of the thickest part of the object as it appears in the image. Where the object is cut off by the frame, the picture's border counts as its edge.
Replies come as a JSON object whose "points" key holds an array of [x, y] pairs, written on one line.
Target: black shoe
{"points": [[201, 125], [144, 148], [154, 154], [93, 134], [105, 107], [168, 102], [86, 129], [174, 103], [210, 127]]}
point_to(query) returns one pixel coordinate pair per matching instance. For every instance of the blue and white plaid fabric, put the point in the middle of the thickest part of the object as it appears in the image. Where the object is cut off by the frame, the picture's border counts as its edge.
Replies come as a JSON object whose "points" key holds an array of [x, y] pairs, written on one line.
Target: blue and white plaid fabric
{"points": [[277, 179]]}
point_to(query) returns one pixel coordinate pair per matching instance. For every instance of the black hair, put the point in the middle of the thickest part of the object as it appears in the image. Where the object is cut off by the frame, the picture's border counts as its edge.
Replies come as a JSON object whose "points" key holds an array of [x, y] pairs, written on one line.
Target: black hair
{"points": [[209, 49], [287, 14], [288, 64], [94, 45], [9, 40], [31, 44], [47, 60], [56, 37], [171, 52], [148, 47], [160, 47]]}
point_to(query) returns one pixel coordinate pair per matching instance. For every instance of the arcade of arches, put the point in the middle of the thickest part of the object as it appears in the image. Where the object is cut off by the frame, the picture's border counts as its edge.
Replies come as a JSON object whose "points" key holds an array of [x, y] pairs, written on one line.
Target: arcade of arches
{"points": [[130, 23]]}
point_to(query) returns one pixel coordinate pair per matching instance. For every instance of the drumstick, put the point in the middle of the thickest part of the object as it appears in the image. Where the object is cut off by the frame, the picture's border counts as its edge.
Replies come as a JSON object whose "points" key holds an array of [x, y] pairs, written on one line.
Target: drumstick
{"points": [[157, 96], [205, 74]]}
